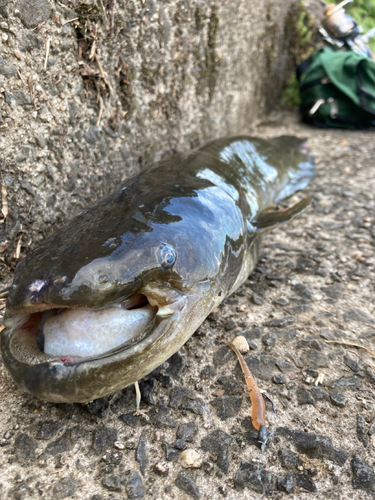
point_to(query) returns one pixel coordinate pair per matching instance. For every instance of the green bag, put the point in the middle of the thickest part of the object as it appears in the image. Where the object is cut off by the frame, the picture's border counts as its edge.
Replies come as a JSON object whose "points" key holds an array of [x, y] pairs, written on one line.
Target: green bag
{"points": [[337, 89]]}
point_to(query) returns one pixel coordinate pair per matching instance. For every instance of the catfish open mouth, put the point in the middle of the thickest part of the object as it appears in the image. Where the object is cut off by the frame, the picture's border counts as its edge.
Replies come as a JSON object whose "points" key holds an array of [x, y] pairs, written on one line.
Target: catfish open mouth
{"points": [[75, 334]]}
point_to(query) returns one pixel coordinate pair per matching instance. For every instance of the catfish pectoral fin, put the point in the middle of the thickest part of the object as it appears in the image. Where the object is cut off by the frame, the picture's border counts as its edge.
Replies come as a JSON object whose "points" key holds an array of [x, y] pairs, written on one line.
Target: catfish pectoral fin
{"points": [[266, 220]]}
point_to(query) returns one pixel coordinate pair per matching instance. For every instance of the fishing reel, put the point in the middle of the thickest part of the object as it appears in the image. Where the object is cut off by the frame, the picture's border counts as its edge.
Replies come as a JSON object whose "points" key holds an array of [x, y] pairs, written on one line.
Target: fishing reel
{"points": [[340, 30]]}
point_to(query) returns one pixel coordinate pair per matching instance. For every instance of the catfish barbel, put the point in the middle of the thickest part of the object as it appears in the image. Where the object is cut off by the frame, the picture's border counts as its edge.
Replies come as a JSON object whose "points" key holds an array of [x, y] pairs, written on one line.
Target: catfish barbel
{"points": [[121, 287]]}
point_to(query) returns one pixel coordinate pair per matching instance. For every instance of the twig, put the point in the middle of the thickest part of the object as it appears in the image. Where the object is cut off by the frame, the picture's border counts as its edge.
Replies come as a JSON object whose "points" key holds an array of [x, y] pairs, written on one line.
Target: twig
{"points": [[351, 345], [101, 109], [47, 53], [4, 200], [103, 73], [31, 90], [21, 77], [70, 20], [18, 248], [104, 12], [2, 327]]}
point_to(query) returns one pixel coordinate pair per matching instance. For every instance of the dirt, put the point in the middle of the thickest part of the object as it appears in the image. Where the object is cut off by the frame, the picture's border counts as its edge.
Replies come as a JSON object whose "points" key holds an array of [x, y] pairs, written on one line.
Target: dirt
{"points": [[314, 282]]}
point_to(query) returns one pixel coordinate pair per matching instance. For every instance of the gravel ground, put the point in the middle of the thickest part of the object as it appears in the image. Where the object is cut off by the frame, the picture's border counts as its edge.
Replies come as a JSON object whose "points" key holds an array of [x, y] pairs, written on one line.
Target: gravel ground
{"points": [[313, 283]]}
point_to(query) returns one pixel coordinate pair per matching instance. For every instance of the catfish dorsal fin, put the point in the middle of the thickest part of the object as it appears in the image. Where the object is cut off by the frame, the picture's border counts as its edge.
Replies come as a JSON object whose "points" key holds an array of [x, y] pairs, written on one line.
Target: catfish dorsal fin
{"points": [[267, 220]]}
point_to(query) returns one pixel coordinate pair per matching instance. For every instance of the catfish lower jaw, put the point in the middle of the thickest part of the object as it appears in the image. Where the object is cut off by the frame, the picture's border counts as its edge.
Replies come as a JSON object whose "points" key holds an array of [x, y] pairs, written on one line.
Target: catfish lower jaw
{"points": [[80, 379]]}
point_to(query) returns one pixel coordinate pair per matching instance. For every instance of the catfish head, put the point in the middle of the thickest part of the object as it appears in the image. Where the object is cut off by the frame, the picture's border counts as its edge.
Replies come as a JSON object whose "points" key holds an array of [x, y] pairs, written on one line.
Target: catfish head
{"points": [[116, 291]]}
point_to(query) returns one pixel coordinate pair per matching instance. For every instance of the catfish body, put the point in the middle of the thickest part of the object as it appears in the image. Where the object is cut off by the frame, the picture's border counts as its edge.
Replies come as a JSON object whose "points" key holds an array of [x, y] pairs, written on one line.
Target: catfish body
{"points": [[183, 235]]}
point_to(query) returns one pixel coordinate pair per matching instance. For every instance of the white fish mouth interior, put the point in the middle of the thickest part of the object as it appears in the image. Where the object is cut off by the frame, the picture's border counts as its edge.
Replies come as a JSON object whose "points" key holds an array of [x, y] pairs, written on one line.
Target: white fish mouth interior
{"points": [[91, 332]]}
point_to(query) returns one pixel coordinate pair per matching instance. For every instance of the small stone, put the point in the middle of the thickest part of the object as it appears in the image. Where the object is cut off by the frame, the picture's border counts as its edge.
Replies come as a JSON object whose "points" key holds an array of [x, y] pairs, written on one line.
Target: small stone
{"points": [[227, 406], [190, 459], [351, 363], [160, 417], [218, 442], [171, 454], [371, 430], [333, 291], [104, 439], [269, 340], [130, 419], [303, 480], [185, 482], [280, 323], [134, 487], [175, 366], [288, 458], [337, 398], [231, 385], [285, 483], [313, 445], [361, 431], [284, 366], [187, 431], [59, 446], [363, 475], [141, 453], [359, 316], [33, 12], [257, 299], [303, 291], [208, 371], [319, 394], [180, 444], [112, 483], [314, 359], [259, 480], [241, 344], [47, 430], [99, 407], [278, 379], [304, 396], [91, 135], [281, 301], [161, 468], [21, 98], [25, 449], [230, 325], [64, 488]]}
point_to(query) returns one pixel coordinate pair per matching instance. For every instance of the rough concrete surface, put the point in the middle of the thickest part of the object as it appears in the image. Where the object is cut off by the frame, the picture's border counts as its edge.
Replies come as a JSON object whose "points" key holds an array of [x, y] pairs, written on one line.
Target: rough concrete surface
{"points": [[314, 282]]}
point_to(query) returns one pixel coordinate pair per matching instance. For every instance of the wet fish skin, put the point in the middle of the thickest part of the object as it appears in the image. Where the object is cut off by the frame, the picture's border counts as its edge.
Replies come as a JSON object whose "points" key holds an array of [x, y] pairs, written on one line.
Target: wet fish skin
{"points": [[186, 233]]}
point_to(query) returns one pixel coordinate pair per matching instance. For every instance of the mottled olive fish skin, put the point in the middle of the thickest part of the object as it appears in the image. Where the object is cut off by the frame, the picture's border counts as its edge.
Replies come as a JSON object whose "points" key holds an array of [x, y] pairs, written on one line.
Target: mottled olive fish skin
{"points": [[185, 233]]}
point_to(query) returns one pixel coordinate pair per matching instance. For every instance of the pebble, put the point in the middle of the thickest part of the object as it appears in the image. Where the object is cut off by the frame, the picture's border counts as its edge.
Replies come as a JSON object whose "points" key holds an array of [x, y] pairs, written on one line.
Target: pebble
{"points": [[351, 363], [362, 431], [33, 12], [304, 396], [134, 487], [314, 359], [161, 468], [24, 448], [190, 459], [359, 316], [64, 488], [269, 340], [141, 453], [261, 366], [186, 399], [284, 366], [230, 325], [303, 480], [280, 301], [230, 385], [313, 445], [363, 475], [227, 406], [333, 291], [112, 482], [285, 483], [187, 431], [241, 344], [104, 439], [278, 379], [171, 454], [186, 483], [47, 430], [160, 417], [180, 444], [303, 291], [261, 481], [218, 443], [288, 458], [257, 299], [280, 323], [337, 398]]}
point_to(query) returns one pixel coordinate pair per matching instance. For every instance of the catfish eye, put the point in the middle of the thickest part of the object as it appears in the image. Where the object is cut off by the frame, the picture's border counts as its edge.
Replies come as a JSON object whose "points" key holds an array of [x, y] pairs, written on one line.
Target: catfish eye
{"points": [[103, 279], [166, 256]]}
